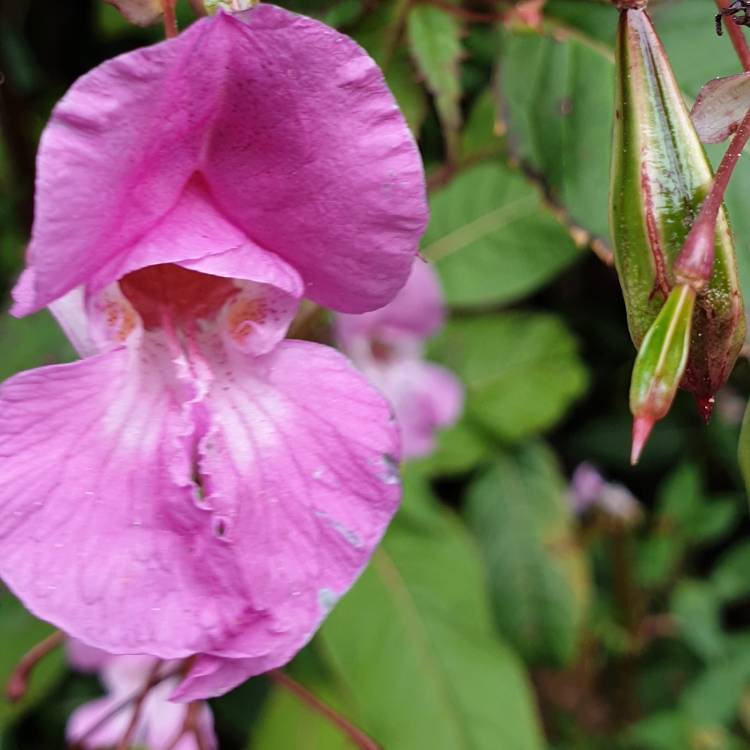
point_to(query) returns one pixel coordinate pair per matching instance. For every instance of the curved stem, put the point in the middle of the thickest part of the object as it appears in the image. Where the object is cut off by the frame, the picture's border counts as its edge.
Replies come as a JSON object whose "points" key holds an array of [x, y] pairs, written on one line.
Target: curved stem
{"points": [[357, 736], [696, 259], [18, 683]]}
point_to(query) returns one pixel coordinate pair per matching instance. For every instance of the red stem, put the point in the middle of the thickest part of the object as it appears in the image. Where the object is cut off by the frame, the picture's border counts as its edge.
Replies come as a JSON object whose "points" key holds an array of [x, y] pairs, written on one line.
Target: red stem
{"points": [[170, 18], [736, 35], [18, 683], [694, 264], [357, 736]]}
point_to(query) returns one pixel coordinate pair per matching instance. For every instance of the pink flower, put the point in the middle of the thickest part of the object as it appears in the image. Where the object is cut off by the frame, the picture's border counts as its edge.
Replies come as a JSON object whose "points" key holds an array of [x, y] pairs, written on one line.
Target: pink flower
{"points": [[160, 722], [197, 484], [387, 345]]}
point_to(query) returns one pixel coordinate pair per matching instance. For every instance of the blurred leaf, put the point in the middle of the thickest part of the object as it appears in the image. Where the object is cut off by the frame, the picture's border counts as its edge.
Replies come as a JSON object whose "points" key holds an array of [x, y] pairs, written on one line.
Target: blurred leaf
{"points": [[743, 449], [659, 554], [482, 134], [663, 731], [401, 78], [31, 342], [520, 514], [20, 631], [714, 697], [413, 644], [459, 449], [379, 33], [521, 370], [493, 239], [731, 575], [435, 43], [695, 606], [286, 722], [559, 98]]}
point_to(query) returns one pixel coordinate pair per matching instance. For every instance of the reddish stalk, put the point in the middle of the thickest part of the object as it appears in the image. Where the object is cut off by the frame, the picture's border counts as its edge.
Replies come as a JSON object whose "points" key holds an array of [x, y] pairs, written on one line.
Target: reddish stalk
{"points": [[170, 18], [18, 683], [151, 680], [356, 735], [736, 35], [696, 259]]}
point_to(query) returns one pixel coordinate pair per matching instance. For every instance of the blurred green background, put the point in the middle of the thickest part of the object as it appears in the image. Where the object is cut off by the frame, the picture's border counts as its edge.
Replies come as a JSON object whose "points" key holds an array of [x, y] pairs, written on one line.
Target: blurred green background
{"points": [[493, 616]]}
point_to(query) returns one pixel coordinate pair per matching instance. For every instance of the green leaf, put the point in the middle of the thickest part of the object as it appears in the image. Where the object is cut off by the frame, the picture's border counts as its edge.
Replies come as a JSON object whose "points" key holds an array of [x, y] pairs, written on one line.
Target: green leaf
{"points": [[481, 134], [493, 239], [379, 33], [435, 43], [663, 731], [413, 644], [519, 512], [695, 606], [730, 577], [743, 449], [714, 697], [31, 342], [289, 723], [559, 99], [521, 370], [459, 449], [20, 632]]}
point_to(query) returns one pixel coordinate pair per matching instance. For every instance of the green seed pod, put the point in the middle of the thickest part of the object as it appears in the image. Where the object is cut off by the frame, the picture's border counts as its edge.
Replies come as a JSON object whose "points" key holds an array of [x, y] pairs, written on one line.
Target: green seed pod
{"points": [[660, 176]]}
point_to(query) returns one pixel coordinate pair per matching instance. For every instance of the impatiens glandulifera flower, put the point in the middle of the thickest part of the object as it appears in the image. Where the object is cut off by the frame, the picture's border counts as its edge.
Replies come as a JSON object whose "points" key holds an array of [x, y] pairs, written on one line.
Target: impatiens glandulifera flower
{"points": [[159, 724], [660, 177], [197, 485], [388, 346]]}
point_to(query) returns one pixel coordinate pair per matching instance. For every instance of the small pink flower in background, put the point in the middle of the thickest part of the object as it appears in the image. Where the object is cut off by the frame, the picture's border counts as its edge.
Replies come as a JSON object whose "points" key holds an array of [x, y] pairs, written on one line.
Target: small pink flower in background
{"points": [[589, 489], [388, 345], [197, 485], [160, 722]]}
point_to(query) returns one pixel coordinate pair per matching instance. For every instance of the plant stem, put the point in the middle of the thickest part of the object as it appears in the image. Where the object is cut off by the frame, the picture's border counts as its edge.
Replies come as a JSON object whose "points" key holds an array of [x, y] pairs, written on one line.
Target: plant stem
{"points": [[18, 683], [737, 36], [357, 736], [696, 259], [170, 18]]}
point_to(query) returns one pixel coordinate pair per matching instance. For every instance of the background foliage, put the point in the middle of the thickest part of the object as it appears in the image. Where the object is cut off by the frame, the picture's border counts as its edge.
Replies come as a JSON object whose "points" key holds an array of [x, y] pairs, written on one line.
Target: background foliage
{"points": [[491, 617]]}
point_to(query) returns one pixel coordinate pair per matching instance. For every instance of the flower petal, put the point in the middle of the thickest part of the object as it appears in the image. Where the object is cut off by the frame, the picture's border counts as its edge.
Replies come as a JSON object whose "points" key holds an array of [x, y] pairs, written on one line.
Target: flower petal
{"points": [[417, 310], [172, 507], [279, 125], [100, 534]]}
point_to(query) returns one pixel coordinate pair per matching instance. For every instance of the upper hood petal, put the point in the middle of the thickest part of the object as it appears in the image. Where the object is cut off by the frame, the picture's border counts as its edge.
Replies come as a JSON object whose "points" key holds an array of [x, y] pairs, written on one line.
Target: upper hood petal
{"points": [[287, 125]]}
